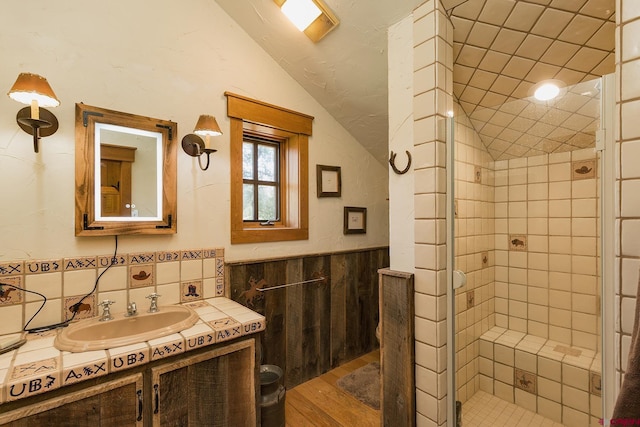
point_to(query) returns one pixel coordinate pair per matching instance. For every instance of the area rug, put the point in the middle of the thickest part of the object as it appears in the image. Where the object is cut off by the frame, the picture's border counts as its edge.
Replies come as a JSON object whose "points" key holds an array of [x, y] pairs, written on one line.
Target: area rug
{"points": [[363, 384]]}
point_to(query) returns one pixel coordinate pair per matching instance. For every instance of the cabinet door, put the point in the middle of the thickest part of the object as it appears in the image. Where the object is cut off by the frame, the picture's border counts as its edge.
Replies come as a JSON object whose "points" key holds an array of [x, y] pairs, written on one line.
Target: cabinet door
{"points": [[115, 403], [214, 388]]}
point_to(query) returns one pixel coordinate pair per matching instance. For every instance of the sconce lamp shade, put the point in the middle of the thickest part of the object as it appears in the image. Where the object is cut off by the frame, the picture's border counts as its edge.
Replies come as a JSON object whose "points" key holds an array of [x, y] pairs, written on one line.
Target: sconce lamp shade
{"points": [[207, 126], [32, 87]]}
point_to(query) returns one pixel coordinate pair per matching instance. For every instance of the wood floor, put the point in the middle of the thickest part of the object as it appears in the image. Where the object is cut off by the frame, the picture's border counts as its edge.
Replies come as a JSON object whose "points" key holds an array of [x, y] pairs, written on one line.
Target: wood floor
{"points": [[319, 402]]}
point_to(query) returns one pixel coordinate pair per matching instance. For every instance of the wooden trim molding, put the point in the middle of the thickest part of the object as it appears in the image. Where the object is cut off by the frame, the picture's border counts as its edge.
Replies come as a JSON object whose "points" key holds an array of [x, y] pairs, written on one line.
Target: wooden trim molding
{"points": [[293, 130], [255, 111]]}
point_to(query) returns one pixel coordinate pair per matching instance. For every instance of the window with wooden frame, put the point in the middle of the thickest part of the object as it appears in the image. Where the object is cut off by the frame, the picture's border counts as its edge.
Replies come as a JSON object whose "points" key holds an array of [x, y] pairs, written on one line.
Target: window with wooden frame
{"points": [[269, 171]]}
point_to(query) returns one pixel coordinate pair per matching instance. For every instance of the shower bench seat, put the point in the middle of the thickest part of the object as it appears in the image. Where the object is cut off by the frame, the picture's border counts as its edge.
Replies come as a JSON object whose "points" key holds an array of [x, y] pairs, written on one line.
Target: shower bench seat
{"points": [[558, 381]]}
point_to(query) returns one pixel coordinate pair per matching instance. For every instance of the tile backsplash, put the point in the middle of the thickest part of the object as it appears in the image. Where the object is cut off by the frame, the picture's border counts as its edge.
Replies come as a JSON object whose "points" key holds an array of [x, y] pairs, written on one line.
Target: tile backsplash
{"points": [[178, 276]]}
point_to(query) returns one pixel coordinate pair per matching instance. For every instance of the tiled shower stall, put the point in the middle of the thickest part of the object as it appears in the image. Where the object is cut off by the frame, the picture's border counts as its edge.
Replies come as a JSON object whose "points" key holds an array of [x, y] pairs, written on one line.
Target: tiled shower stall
{"points": [[527, 322]]}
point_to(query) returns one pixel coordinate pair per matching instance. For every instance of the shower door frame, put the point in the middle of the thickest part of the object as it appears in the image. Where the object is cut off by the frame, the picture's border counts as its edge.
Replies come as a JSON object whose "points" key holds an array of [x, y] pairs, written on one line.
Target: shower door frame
{"points": [[605, 144]]}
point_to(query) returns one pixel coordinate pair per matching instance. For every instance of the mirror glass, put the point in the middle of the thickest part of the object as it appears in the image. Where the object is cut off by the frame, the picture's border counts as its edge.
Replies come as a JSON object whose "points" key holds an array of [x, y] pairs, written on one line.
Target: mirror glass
{"points": [[129, 185], [125, 173]]}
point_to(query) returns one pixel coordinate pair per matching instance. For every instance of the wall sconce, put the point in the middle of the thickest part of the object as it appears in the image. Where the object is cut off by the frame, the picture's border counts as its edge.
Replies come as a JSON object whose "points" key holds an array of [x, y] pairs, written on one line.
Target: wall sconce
{"points": [[312, 17], [193, 144], [34, 90]]}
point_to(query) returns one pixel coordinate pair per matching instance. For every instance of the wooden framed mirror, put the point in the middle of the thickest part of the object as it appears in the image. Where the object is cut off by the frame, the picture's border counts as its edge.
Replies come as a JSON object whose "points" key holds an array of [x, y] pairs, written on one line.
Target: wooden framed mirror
{"points": [[125, 173]]}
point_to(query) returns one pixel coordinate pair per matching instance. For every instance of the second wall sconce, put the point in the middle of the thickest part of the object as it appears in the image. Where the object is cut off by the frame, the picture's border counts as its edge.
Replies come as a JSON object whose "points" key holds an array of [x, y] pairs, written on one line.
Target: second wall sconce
{"points": [[34, 90], [193, 144]]}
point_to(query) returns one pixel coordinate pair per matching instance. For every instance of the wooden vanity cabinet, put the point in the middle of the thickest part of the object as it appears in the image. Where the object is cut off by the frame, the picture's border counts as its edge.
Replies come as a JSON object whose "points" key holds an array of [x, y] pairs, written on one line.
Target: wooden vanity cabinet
{"points": [[215, 386], [105, 405]]}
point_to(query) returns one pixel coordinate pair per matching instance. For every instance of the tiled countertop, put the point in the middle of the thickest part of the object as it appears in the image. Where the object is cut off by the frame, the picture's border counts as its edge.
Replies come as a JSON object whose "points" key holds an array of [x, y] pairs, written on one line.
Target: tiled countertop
{"points": [[38, 366]]}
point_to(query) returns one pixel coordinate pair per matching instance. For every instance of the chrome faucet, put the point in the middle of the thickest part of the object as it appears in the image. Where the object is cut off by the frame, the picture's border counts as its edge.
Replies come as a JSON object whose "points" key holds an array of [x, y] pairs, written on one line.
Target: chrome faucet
{"points": [[106, 310], [132, 310], [154, 302]]}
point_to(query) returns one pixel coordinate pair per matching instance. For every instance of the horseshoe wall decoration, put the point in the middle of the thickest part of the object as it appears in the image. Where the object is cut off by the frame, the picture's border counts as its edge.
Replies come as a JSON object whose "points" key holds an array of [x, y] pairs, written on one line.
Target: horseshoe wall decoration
{"points": [[392, 162]]}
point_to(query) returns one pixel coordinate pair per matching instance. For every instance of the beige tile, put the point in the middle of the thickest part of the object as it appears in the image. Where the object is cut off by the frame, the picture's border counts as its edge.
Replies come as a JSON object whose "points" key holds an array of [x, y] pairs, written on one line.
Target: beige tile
{"points": [[550, 409], [576, 399], [503, 391], [79, 282], [191, 270]]}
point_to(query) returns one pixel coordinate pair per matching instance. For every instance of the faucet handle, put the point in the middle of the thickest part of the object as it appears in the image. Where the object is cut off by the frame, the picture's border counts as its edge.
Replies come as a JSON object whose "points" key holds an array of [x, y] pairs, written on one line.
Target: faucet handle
{"points": [[154, 302], [106, 303]]}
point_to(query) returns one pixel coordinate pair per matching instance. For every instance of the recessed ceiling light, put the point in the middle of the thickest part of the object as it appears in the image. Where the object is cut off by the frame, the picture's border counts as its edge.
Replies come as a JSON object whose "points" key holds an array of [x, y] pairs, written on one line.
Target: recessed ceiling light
{"points": [[301, 12], [312, 17], [546, 92]]}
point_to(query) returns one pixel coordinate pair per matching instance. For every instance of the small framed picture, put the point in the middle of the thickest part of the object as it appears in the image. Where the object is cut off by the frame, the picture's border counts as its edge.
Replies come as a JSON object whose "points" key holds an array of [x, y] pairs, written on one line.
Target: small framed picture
{"points": [[329, 181], [355, 220]]}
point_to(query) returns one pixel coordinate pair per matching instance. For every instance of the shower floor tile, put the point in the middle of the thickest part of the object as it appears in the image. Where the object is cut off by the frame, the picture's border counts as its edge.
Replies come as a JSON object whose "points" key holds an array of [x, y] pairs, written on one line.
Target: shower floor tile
{"points": [[486, 410]]}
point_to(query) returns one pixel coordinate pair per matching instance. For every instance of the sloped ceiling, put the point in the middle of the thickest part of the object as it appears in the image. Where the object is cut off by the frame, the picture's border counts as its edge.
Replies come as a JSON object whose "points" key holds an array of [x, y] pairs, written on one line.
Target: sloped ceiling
{"points": [[501, 49]]}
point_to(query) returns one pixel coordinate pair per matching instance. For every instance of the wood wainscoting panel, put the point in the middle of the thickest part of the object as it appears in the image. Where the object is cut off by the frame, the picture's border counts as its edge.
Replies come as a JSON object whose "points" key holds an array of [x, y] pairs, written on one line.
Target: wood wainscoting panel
{"points": [[397, 349], [312, 327]]}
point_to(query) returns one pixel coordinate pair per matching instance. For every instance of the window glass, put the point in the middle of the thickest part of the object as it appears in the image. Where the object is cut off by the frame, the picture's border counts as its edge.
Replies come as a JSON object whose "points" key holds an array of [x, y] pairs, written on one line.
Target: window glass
{"points": [[248, 202], [267, 163], [261, 179], [247, 160], [267, 203]]}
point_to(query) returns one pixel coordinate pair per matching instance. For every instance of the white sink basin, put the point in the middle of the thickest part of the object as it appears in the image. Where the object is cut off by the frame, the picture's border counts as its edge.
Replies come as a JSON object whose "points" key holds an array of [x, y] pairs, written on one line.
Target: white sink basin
{"points": [[92, 334]]}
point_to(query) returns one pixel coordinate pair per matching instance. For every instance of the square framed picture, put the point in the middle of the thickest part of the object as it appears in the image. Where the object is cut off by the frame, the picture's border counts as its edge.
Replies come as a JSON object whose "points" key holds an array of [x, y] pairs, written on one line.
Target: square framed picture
{"points": [[329, 181], [355, 220]]}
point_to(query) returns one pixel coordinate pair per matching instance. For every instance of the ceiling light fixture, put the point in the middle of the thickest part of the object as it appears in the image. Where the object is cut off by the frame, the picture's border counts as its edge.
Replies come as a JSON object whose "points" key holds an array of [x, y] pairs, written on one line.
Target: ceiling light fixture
{"points": [[312, 17], [547, 91]]}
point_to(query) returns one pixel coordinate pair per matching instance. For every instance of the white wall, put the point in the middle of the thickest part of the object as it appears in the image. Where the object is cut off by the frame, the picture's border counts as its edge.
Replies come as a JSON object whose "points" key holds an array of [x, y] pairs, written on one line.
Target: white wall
{"points": [[168, 61], [401, 205]]}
